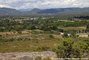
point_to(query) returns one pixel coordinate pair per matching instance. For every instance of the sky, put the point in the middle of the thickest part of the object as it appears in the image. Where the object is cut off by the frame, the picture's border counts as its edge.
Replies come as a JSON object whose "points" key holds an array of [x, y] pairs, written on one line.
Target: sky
{"points": [[43, 4]]}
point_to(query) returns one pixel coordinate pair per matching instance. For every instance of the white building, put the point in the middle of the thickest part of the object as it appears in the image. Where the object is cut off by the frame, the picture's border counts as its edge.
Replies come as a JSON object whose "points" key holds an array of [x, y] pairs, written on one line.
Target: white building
{"points": [[83, 36]]}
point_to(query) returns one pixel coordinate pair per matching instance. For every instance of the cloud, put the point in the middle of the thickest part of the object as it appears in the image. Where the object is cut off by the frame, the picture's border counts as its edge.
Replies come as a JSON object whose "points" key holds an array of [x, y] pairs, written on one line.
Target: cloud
{"points": [[43, 4], [5, 6]]}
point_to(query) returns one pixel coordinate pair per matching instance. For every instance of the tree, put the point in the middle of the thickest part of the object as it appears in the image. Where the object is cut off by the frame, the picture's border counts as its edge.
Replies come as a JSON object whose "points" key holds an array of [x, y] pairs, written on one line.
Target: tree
{"points": [[65, 35], [68, 49], [87, 27], [33, 27]]}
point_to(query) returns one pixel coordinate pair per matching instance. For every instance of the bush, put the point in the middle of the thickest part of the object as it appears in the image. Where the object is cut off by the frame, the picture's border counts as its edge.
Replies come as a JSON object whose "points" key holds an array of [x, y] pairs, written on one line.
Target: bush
{"points": [[51, 36], [7, 40], [65, 35], [19, 39], [0, 35], [47, 58], [33, 28], [42, 48], [20, 32], [38, 58], [11, 40], [27, 39]]}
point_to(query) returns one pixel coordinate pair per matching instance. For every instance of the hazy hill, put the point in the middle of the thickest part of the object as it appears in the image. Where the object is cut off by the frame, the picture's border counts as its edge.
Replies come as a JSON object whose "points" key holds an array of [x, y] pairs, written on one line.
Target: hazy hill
{"points": [[61, 11], [9, 11]]}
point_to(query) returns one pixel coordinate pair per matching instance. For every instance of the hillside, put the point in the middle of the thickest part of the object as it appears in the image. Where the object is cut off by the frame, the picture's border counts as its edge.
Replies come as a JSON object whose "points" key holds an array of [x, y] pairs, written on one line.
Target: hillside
{"points": [[36, 11], [9, 11]]}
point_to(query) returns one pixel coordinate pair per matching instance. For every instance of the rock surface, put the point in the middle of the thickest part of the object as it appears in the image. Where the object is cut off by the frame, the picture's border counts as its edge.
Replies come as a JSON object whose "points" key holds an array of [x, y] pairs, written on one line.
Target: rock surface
{"points": [[26, 55]]}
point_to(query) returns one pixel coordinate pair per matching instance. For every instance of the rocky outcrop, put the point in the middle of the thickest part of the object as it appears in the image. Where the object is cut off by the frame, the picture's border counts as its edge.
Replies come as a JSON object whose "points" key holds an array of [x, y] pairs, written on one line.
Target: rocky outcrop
{"points": [[26, 55]]}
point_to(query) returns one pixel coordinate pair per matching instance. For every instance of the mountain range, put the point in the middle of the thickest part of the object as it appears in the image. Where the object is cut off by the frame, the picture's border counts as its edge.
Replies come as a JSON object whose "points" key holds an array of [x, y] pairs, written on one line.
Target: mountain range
{"points": [[36, 11]]}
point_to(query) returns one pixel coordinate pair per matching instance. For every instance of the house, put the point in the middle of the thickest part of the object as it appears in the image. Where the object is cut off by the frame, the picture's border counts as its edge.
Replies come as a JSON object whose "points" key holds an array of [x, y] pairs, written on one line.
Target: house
{"points": [[61, 34], [69, 34]]}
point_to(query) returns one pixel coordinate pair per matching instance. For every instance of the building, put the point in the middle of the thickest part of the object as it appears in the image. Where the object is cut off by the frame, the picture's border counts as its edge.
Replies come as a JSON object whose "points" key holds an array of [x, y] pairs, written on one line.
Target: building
{"points": [[83, 36]]}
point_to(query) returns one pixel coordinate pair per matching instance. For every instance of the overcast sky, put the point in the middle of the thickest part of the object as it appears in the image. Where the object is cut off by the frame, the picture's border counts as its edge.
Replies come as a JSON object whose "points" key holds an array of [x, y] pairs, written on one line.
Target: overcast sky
{"points": [[43, 4]]}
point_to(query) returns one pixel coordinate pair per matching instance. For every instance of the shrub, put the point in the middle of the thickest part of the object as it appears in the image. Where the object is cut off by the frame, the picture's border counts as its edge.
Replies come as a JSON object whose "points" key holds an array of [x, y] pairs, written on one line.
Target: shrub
{"points": [[38, 58], [65, 35], [20, 32], [27, 39], [19, 39], [11, 40], [51, 36], [47, 58], [0, 35], [42, 48]]}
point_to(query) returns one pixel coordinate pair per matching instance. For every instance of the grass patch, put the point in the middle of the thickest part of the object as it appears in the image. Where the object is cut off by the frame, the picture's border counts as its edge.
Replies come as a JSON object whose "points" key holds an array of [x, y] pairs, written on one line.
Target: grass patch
{"points": [[73, 28], [27, 46]]}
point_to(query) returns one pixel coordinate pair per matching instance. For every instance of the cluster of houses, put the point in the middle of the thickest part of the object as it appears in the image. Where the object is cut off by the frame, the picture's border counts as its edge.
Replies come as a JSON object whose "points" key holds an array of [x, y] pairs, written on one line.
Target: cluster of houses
{"points": [[83, 33], [62, 34], [80, 35]]}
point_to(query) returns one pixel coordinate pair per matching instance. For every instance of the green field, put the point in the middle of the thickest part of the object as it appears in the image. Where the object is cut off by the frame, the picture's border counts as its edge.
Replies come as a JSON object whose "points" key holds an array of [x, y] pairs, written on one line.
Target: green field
{"points": [[73, 28]]}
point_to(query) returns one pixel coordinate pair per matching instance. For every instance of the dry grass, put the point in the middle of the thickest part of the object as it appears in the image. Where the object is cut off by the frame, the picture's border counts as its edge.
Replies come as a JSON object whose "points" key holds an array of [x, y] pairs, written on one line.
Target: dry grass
{"points": [[82, 34], [26, 46], [73, 28]]}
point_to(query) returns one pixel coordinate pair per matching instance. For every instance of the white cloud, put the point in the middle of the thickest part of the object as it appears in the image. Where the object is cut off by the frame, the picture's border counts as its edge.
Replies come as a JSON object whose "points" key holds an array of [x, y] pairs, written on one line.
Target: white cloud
{"points": [[5, 6], [43, 4]]}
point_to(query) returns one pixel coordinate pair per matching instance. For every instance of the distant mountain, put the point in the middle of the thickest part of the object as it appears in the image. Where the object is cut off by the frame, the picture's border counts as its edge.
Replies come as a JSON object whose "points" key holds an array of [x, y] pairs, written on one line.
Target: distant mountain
{"points": [[36, 11], [9, 11], [64, 10], [24, 10]]}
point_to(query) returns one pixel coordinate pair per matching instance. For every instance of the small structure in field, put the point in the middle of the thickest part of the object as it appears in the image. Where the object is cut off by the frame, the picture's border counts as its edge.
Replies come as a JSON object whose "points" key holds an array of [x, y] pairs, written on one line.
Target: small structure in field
{"points": [[61, 33], [69, 35]]}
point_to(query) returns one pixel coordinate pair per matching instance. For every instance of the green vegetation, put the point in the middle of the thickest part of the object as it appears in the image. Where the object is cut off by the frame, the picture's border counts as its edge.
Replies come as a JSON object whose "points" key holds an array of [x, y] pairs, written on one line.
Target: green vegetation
{"points": [[38, 58], [23, 34], [47, 58]]}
